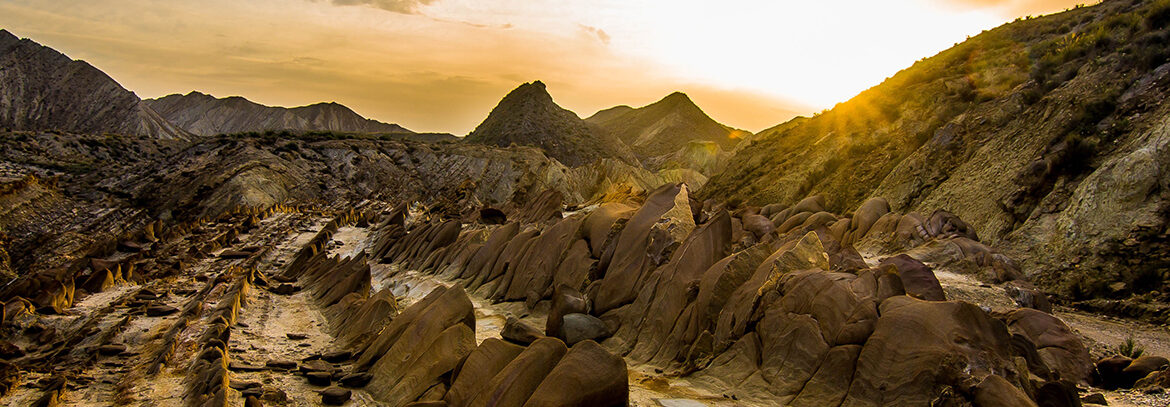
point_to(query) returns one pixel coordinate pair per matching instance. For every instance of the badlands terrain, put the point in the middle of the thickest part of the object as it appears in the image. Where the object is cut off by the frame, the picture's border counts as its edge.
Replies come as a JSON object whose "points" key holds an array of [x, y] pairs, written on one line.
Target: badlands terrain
{"points": [[988, 227]]}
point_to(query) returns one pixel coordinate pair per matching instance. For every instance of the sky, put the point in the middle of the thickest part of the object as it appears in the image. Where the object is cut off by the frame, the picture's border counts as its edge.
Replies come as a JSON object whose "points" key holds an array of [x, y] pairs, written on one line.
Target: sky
{"points": [[441, 65]]}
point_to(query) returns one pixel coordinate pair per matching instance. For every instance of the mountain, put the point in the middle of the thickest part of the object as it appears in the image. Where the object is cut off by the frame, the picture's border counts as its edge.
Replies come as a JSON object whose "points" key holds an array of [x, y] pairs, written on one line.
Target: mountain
{"points": [[206, 115], [665, 126], [42, 89], [529, 116], [1048, 134]]}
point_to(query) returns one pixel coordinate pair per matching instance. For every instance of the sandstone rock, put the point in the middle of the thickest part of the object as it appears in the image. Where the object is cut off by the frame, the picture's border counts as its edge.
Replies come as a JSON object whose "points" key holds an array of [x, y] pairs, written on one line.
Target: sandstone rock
{"points": [[897, 368], [917, 278], [335, 396], [519, 332], [587, 375], [356, 379], [1059, 347], [491, 356], [629, 258], [279, 364], [566, 300], [579, 327], [111, 349], [160, 310], [1109, 372], [319, 378], [426, 342], [517, 381], [1141, 367], [1095, 398], [997, 391], [1026, 295]]}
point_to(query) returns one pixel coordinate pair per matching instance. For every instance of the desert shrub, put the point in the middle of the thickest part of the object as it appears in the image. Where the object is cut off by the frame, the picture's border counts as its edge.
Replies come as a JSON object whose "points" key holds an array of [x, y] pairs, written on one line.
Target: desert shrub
{"points": [[1130, 348]]}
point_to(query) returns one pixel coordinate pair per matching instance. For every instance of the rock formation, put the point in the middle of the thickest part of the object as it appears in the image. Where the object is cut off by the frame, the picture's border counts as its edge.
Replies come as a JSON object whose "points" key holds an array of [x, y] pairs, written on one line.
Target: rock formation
{"points": [[528, 116], [665, 127], [45, 90]]}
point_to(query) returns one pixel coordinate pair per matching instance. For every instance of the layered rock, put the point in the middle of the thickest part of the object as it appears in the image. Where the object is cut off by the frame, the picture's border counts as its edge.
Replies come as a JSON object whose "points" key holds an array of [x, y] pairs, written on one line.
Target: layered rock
{"points": [[791, 315]]}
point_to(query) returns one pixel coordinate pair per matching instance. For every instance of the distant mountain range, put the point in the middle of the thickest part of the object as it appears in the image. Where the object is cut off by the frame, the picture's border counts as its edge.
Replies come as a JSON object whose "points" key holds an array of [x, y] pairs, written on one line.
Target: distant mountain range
{"points": [[203, 114], [42, 89]]}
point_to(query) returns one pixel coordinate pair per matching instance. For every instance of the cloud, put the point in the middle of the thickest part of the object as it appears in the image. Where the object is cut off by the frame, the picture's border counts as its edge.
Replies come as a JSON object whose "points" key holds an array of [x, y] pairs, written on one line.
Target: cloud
{"points": [[597, 32], [1017, 8], [397, 6]]}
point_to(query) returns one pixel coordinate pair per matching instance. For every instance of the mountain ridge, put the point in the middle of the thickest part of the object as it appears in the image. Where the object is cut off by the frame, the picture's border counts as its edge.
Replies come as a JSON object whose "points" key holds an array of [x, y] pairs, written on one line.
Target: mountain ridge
{"points": [[653, 130], [528, 116], [44, 89], [204, 114]]}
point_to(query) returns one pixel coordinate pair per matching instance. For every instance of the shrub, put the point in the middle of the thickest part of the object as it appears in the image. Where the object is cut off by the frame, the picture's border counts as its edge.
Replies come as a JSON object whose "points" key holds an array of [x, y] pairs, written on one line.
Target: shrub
{"points": [[1130, 348], [1158, 15]]}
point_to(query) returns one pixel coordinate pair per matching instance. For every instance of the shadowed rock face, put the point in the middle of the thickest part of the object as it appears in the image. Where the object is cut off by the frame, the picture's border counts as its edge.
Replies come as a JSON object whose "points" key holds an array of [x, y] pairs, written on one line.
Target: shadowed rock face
{"points": [[43, 89], [528, 116], [205, 115]]}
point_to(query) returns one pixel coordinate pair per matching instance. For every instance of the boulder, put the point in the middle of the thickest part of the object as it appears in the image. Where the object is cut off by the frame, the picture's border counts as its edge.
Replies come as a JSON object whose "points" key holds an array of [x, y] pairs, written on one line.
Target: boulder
{"points": [[578, 327], [1058, 346], [566, 300], [519, 332], [516, 382], [587, 376], [1027, 296], [951, 342], [917, 278], [356, 379], [1141, 367], [160, 310], [335, 396], [995, 391], [479, 368]]}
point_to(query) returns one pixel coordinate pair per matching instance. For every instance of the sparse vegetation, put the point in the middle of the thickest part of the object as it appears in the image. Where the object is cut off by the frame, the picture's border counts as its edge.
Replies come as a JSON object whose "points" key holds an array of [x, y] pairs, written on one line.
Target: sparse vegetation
{"points": [[1130, 348]]}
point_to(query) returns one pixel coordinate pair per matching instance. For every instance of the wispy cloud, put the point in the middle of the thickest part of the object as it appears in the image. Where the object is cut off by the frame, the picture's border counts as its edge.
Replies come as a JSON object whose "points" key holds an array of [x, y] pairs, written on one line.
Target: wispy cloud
{"points": [[596, 32], [397, 6]]}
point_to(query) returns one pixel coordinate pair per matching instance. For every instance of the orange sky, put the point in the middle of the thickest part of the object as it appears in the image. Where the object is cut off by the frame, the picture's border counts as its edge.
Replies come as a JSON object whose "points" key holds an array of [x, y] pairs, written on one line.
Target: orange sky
{"points": [[441, 65]]}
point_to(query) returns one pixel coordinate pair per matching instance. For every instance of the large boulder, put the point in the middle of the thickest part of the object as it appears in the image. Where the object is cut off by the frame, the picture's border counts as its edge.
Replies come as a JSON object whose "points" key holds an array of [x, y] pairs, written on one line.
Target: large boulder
{"points": [[587, 376], [951, 343], [917, 278], [516, 382], [478, 369], [1058, 346]]}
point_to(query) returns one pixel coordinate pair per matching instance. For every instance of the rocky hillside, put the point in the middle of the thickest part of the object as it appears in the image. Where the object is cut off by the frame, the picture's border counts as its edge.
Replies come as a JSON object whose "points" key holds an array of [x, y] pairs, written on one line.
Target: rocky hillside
{"points": [[207, 115], [528, 116], [1048, 134], [42, 89], [665, 127]]}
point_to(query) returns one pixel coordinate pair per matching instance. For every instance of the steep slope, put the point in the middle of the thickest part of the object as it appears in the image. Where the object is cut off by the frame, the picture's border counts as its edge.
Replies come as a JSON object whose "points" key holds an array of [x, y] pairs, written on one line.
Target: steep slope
{"points": [[42, 89], [1048, 134], [665, 126], [207, 115], [529, 116]]}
